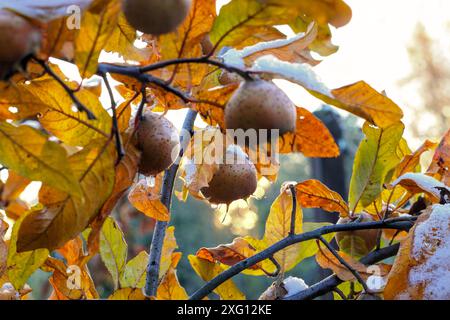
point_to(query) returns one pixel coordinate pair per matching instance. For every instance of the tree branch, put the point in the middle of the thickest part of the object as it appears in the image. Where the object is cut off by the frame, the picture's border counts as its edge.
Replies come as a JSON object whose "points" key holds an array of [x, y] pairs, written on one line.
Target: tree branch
{"points": [[153, 266], [403, 223], [328, 284], [345, 264]]}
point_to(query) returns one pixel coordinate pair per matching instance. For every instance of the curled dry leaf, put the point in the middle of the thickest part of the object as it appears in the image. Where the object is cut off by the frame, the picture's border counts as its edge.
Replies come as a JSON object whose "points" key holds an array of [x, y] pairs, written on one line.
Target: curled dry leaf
{"points": [[147, 199], [421, 183], [328, 261], [441, 160]]}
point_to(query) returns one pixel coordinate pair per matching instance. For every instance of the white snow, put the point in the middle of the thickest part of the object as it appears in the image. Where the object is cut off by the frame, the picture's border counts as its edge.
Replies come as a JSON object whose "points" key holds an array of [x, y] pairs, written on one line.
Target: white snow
{"points": [[294, 285], [299, 73], [424, 182], [432, 244]]}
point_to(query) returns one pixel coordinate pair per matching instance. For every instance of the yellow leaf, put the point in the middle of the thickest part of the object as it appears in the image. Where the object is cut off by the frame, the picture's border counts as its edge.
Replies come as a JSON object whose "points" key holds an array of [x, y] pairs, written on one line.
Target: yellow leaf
{"points": [[94, 34], [21, 265], [29, 153], [134, 274], [128, 294], [375, 158], [170, 288], [113, 249], [65, 216], [13, 187], [167, 251], [208, 270], [365, 102]]}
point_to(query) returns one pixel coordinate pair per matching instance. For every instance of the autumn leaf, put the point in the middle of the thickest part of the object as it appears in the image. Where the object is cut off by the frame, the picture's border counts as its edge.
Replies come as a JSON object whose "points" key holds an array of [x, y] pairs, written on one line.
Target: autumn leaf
{"points": [[185, 42], [168, 251], [65, 216], [147, 200], [13, 187], [421, 264], [363, 101], [421, 183], [314, 194], [328, 261], [312, 138], [128, 294], [170, 288], [134, 273], [230, 254], [113, 249], [59, 117], [21, 265], [374, 159], [122, 41], [410, 162], [30, 154], [208, 270], [441, 160], [94, 34]]}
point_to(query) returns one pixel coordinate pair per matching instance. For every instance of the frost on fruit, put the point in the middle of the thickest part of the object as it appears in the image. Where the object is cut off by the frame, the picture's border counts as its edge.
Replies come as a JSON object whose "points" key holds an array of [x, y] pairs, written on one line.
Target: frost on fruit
{"points": [[422, 268]]}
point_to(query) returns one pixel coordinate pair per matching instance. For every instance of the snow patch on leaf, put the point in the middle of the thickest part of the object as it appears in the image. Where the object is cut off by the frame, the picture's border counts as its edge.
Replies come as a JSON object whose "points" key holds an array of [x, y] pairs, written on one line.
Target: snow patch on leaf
{"points": [[432, 242]]}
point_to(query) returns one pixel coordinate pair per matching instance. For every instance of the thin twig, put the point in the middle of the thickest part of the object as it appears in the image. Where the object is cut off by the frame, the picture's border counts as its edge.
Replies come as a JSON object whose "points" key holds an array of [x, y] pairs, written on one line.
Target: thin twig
{"points": [[66, 88], [115, 123], [402, 223], [153, 266], [345, 264], [340, 293], [294, 209]]}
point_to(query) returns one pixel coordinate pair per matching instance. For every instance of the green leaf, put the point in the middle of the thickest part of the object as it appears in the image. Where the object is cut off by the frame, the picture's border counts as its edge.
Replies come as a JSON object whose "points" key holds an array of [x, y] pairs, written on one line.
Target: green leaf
{"points": [[113, 249], [20, 266], [28, 152], [134, 274], [375, 158]]}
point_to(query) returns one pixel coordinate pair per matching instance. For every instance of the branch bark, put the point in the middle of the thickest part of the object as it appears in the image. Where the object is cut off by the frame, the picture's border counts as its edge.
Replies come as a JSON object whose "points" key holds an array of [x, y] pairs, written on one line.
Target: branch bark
{"points": [[395, 224], [153, 266]]}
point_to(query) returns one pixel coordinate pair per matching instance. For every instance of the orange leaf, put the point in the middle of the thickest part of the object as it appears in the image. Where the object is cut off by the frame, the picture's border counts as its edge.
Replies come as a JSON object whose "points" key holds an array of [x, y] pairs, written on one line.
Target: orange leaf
{"points": [[146, 199], [311, 137], [441, 160], [314, 194], [410, 162]]}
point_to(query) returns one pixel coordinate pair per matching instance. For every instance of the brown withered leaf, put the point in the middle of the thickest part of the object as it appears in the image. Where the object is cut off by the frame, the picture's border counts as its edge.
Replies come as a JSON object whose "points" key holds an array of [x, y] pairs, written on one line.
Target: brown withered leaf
{"points": [[147, 199], [314, 194], [441, 160], [230, 254], [328, 261], [364, 101], [312, 138]]}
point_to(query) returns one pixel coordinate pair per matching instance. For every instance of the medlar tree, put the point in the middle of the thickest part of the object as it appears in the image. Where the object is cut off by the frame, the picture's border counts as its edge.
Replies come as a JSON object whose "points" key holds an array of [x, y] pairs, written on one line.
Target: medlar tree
{"points": [[56, 129]]}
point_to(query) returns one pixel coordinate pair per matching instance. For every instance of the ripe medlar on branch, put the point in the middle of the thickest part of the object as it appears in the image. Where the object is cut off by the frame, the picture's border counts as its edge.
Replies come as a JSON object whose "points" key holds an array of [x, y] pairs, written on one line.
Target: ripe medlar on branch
{"points": [[18, 38], [156, 16], [258, 105], [232, 181], [158, 140], [360, 242]]}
